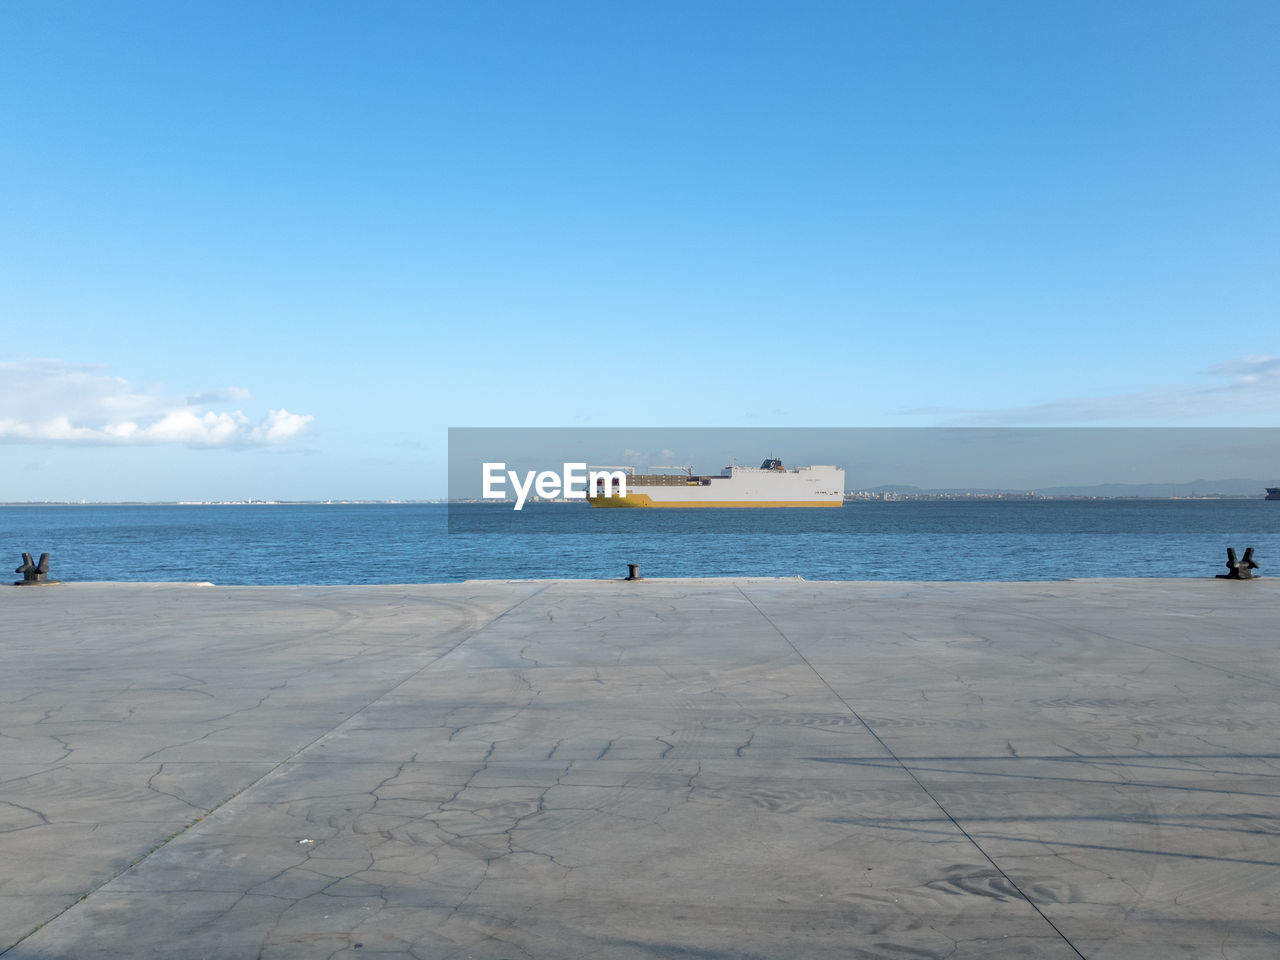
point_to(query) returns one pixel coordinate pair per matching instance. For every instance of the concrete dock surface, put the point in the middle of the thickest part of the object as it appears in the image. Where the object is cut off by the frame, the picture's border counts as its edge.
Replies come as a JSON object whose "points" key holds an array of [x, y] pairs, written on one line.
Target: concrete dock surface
{"points": [[688, 769]]}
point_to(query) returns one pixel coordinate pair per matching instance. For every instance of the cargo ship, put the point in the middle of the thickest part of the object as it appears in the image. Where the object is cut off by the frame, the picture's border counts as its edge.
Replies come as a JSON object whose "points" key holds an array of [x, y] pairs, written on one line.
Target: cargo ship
{"points": [[1273, 493], [769, 485]]}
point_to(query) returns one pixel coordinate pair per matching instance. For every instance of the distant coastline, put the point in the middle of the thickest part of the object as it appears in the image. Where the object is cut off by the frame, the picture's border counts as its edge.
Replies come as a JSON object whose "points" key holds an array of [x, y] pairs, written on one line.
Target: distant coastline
{"points": [[207, 503], [878, 496], [1232, 489]]}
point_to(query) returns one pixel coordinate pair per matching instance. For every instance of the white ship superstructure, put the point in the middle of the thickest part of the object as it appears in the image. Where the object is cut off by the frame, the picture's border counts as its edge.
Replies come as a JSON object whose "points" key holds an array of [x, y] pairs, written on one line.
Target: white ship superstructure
{"points": [[768, 485]]}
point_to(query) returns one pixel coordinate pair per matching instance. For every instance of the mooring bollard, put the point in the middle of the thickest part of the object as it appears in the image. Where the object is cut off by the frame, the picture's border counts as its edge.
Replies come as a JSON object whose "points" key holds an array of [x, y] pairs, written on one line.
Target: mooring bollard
{"points": [[33, 572], [633, 571], [1239, 569]]}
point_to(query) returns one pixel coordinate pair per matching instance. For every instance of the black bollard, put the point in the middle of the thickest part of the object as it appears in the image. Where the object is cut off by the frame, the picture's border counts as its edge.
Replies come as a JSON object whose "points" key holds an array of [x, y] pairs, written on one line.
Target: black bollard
{"points": [[33, 572], [1239, 569], [633, 571]]}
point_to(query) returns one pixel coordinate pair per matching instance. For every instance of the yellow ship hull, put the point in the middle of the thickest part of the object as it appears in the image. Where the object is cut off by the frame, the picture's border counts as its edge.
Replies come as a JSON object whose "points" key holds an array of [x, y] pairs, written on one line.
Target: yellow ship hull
{"points": [[644, 500]]}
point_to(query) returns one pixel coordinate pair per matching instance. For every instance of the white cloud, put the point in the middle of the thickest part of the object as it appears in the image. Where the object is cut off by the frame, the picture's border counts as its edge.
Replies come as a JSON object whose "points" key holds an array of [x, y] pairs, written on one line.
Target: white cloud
{"points": [[53, 401], [280, 425], [1247, 370], [1246, 385], [225, 395]]}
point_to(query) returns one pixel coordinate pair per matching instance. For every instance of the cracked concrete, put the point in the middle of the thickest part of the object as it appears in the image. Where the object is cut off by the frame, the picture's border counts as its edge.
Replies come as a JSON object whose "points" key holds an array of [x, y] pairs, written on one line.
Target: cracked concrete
{"points": [[693, 769]]}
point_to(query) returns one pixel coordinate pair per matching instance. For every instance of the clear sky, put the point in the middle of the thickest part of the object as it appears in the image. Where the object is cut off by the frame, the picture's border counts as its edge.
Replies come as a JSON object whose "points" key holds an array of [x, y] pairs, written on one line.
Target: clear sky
{"points": [[276, 249]]}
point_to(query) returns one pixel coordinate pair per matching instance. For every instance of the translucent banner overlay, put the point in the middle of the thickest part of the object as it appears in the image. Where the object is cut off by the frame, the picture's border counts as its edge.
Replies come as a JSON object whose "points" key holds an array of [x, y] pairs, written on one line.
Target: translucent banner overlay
{"points": [[962, 482]]}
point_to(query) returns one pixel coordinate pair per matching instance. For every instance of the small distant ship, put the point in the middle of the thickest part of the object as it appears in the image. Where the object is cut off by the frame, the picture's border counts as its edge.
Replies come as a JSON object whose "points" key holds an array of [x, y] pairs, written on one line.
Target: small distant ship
{"points": [[769, 485], [1273, 493]]}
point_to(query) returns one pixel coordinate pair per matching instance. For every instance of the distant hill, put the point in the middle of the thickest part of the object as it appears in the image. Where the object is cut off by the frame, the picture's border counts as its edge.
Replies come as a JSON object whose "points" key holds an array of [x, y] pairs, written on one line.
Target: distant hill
{"points": [[1235, 487], [1197, 488]]}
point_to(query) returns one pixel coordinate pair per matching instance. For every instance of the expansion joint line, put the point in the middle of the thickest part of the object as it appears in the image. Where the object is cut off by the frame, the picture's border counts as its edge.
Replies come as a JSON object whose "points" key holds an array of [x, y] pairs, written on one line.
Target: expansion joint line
{"points": [[253, 783], [909, 772]]}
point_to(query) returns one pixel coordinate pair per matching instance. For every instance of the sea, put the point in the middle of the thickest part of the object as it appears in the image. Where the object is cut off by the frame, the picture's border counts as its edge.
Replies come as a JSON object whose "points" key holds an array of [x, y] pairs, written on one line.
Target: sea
{"points": [[987, 540]]}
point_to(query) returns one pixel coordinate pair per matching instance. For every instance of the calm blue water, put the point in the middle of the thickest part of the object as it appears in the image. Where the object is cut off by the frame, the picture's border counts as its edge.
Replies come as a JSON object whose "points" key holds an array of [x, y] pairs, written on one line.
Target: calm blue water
{"points": [[410, 543]]}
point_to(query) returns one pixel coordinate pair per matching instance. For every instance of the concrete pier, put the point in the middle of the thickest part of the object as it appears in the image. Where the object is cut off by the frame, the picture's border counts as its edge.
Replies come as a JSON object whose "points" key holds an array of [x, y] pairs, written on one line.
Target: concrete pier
{"points": [[688, 769]]}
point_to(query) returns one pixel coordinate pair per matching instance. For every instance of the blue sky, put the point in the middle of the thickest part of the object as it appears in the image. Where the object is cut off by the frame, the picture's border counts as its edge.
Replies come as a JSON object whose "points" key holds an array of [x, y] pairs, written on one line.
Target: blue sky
{"points": [[276, 250]]}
